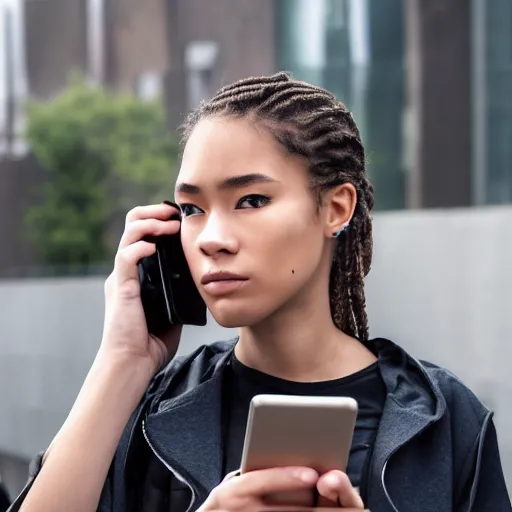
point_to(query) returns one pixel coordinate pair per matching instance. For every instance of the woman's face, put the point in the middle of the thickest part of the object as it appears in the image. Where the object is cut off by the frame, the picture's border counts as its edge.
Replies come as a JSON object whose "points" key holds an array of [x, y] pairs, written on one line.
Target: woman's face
{"points": [[251, 230]]}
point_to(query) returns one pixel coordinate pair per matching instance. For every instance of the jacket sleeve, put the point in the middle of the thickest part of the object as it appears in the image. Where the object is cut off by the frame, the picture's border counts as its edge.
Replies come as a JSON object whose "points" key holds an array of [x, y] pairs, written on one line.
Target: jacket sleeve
{"points": [[105, 504], [484, 486], [35, 467]]}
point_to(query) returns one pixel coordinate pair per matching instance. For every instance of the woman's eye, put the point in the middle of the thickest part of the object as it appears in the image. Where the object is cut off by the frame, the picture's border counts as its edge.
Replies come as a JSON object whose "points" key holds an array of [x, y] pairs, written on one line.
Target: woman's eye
{"points": [[189, 209], [253, 201]]}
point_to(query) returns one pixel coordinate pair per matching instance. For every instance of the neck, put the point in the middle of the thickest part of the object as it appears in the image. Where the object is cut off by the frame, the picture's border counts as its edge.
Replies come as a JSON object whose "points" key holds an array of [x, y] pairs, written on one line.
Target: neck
{"points": [[301, 343]]}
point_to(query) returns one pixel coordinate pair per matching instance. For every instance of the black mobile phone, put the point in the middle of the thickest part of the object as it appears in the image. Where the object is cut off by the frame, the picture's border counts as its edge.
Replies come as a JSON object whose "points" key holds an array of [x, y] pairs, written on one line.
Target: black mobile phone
{"points": [[168, 292]]}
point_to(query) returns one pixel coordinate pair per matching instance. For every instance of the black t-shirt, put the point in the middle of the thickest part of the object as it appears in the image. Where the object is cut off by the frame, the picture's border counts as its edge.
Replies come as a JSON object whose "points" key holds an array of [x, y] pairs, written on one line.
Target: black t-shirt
{"points": [[365, 386]]}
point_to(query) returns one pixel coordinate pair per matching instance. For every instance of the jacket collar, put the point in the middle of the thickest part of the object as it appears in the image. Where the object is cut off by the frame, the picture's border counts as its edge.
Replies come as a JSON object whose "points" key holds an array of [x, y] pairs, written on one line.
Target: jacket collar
{"points": [[413, 403], [186, 430]]}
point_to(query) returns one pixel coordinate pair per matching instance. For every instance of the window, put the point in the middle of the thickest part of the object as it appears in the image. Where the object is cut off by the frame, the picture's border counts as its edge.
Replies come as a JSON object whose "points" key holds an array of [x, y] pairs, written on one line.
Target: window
{"points": [[355, 48], [4, 122], [498, 118], [13, 85], [96, 40], [200, 60], [149, 86]]}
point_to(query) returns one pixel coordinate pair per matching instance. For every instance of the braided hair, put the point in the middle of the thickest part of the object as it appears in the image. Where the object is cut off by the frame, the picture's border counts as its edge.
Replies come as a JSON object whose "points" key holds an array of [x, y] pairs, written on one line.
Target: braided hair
{"points": [[310, 122]]}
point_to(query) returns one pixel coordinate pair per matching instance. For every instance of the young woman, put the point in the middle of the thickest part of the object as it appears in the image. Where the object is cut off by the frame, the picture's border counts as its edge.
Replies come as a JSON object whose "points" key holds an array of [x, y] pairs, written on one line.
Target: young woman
{"points": [[277, 231]]}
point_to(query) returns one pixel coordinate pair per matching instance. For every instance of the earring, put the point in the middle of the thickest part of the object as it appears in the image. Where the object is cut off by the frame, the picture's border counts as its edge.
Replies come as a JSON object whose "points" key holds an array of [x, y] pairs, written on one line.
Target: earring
{"points": [[342, 230]]}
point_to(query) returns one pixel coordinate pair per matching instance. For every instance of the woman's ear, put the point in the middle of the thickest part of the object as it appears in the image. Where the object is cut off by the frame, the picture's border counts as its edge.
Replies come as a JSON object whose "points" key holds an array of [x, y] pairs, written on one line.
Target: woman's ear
{"points": [[339, 205]]}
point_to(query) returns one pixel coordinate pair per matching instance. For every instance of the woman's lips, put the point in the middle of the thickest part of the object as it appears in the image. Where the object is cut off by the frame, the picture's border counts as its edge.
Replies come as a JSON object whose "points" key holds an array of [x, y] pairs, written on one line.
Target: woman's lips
{"points": [[224, 286], [222, 282]]}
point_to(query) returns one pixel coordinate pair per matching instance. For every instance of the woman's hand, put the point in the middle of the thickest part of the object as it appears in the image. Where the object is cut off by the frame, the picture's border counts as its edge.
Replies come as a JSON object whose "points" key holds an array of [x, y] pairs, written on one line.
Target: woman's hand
{"points": [[127, 359], [125, 331], [334, 489], [251, 492]]}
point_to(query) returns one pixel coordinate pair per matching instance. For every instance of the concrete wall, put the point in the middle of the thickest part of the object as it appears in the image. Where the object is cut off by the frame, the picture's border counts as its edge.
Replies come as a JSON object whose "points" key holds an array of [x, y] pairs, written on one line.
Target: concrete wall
{"points": [[441, 286]]}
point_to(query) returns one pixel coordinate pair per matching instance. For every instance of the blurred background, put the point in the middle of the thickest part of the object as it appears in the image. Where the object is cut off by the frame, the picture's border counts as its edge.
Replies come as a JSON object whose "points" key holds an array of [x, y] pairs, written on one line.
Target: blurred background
{"points": [[92, 93]]}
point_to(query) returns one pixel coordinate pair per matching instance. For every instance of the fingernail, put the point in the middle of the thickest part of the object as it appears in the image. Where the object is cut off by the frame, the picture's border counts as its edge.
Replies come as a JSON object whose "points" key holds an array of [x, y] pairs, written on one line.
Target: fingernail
{"points": [[334, 479], [308, 476]]}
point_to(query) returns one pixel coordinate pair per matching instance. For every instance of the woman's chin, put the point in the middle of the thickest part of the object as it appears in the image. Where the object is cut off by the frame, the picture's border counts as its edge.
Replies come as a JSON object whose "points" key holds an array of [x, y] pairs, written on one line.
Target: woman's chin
{"points": [[232, 317]]}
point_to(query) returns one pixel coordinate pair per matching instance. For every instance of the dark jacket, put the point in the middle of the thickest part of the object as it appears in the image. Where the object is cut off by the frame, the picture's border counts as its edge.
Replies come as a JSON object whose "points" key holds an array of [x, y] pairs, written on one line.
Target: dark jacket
{"points": [[4, 498], [436, 447]]}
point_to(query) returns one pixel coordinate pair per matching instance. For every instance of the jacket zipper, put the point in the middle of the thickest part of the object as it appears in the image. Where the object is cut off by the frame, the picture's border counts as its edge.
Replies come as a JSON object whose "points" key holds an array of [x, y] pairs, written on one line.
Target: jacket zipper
{"points": [[383, 476], [383, 482], [179, 476]]}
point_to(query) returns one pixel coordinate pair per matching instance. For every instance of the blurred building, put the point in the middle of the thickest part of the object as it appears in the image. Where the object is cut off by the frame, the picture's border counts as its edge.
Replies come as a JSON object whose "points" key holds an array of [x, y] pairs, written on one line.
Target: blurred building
{"points": [[215, 43], [150, 48], [429, 82]]}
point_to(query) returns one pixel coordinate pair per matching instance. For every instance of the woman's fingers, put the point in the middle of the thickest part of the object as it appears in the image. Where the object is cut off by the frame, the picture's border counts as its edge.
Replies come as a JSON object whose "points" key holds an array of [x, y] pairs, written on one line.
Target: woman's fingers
{"points": [[139, 229], [161, 211], [335, 488], [249, 492]]}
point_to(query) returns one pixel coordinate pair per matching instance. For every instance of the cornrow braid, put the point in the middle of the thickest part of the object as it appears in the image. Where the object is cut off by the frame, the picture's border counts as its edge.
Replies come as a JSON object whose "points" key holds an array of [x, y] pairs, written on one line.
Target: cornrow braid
{"points": [[310, 122]]}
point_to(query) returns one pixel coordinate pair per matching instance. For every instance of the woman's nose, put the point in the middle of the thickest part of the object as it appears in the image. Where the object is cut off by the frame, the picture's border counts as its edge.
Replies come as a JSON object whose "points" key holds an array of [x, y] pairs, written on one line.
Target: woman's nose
{"points": [[215, 239]]}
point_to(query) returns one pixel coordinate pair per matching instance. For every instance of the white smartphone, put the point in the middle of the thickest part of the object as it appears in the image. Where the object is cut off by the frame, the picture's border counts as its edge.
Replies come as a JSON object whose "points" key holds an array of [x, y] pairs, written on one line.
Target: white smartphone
{"points": [[310, 431]]}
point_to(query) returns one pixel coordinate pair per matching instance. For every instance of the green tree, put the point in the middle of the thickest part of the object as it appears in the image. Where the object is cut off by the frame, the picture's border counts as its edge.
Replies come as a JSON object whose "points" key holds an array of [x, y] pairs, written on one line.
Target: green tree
{"points": [[103, 153]]}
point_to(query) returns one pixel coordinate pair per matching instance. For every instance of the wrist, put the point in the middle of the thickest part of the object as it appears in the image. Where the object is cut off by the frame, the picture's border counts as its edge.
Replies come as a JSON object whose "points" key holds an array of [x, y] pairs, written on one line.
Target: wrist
{"points": [[124, 367]]}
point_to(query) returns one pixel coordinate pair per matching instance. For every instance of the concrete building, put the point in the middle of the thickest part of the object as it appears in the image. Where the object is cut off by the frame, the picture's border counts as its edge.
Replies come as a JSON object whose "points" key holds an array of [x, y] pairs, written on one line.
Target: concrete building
{"points": [[428, 82]]}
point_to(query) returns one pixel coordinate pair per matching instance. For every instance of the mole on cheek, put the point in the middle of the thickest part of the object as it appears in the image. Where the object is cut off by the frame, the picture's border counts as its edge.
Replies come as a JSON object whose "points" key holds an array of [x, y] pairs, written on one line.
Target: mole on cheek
{"points": [[293, 271]]}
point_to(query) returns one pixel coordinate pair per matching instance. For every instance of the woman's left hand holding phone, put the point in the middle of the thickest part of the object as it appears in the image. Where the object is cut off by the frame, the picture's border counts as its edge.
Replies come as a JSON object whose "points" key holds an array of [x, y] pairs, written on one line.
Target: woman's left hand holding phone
{"points": [[124, 366], [125, 328], [250, 492]]}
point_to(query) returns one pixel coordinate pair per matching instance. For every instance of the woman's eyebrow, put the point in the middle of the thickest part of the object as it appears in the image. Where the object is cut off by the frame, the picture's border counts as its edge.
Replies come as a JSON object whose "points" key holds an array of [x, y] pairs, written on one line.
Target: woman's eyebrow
{"points": [[243, 180]]}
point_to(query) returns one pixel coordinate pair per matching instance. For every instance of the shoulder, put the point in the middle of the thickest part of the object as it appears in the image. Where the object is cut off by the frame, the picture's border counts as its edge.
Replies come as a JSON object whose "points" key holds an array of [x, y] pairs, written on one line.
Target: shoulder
{"points": [[437, 387], [192, 368], [182, 374], [466, 421], [461, 401], [476, 463], [208, 355]]}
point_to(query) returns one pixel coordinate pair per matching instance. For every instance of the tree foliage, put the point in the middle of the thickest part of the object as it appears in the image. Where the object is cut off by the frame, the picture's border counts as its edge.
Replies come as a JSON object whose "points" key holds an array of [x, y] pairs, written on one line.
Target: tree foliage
{"points": [[103, 153]]}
